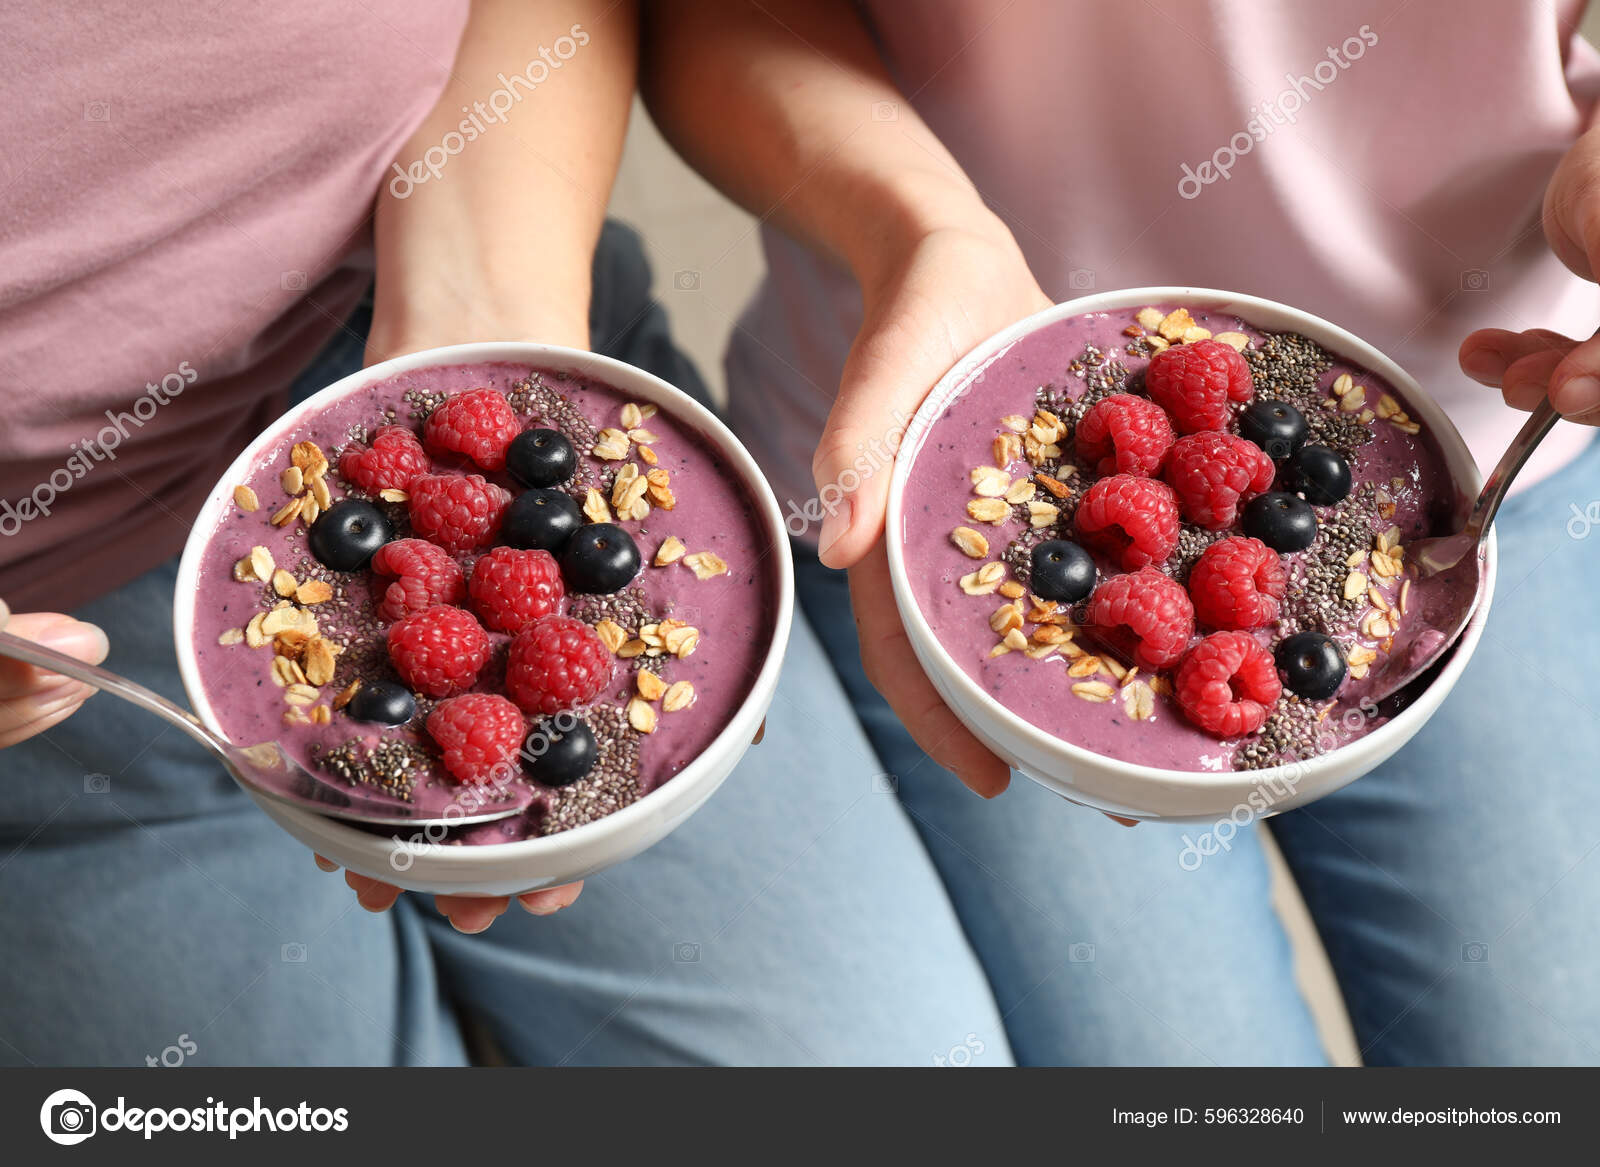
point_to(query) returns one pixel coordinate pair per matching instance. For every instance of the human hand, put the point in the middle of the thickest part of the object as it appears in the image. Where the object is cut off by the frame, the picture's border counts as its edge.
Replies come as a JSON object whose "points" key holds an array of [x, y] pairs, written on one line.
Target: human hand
{"points": [[945, 292], [1531, 365], [33, 699], [469, 914]]}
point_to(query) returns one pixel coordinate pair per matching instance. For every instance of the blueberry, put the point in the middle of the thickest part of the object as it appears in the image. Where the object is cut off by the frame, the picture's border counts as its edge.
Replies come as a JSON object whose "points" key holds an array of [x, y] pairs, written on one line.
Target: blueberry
{"points": [[382, 702], [1312, 665], [1284, 522], [1318, 473], [559, 751], [348, 534], [540, 458], [540, 520], [1062, 571], [601, 557], [1276, 426]]}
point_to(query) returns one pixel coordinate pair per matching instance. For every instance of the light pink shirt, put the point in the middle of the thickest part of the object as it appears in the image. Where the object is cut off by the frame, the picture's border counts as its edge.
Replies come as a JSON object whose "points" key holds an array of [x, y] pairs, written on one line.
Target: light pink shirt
{"points": [[185, 193], [1401, 202]]}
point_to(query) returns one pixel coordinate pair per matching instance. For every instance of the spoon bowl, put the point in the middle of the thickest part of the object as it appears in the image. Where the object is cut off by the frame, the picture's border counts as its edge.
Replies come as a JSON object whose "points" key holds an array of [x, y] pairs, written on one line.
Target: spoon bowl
{"points": [[1462, 559], [265, 769]]}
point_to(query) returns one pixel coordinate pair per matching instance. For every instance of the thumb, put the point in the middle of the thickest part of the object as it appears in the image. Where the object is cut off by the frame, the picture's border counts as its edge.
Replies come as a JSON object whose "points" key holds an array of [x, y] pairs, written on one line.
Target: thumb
{"points": [[855, 457], [1575, 383]]}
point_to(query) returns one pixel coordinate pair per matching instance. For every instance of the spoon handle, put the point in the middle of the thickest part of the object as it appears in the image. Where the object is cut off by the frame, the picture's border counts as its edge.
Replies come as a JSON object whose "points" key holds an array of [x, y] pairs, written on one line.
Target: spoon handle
{"points": [[1511, 462], [106, 681]]}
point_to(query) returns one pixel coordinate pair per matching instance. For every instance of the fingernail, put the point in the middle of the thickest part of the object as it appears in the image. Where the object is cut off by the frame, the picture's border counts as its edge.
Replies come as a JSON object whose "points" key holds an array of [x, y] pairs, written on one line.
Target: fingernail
{"points": [[325, 864], [545, 903], [835, 524], [1579, 399], [1484, 364], [76, 639], [483, 927]]}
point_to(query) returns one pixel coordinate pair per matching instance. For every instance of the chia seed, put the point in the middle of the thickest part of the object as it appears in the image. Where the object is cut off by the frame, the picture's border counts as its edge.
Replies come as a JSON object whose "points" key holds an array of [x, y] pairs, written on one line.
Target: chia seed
{"points": [[1290, 734], [1192, 540], [1286, 366], [390, 765], [612, 784]]}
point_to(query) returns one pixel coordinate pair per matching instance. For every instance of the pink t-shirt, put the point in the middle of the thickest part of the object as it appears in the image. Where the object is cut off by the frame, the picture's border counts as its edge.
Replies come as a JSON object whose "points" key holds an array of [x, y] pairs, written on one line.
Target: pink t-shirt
{"points": [[1385, 166], [187, 192]]}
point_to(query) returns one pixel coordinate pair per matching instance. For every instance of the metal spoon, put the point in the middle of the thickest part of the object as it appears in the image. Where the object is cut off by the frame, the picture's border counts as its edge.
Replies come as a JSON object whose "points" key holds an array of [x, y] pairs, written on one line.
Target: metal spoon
{"points": [[1461, 558], [266, 769]]}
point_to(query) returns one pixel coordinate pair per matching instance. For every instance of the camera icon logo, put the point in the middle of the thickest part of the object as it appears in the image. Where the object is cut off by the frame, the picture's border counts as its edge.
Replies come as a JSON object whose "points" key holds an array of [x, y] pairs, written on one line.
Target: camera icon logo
{"points": [[1474, 279], [885, 784], [686, 280], [885, 111], [1080, 279], [685, 953], [97, 111], [293, 281], [1474, 952], [96, 783], [293, 952], [1081, 953], [68, 1117]]}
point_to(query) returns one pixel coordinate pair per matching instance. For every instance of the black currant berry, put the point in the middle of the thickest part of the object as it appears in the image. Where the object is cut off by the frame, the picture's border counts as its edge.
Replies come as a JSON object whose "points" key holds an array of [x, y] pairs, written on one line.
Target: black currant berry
{"points": [[383, 703], [540, 520], [347, 535], [1062, 571], [1276, 426], [1284, 522], [541, 457], [600, 558], [1312, 665]]}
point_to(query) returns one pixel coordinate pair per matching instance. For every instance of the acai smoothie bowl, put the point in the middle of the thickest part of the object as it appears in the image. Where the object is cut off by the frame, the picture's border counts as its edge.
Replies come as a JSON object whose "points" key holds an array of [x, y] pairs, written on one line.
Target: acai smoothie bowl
{"points": [[486, 570], [1150, 546]]}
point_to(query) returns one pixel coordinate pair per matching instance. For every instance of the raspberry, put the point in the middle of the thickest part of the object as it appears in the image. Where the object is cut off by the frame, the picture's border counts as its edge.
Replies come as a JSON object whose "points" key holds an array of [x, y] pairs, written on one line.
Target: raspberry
{"points": [[393, 460], [511, 589], [1146, 615], [556, 663], [439, 650], [1124, 434], [1213, 473], [1132, 520], [1225, 684], [425, 576], [456, 511], [1237, 583], [1195, 382], [477, 424], [481, 735]]}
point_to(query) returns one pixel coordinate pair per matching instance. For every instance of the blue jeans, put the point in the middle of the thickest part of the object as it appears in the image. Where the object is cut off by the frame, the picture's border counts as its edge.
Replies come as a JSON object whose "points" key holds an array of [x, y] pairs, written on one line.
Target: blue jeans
{"points": [[841, 900]]}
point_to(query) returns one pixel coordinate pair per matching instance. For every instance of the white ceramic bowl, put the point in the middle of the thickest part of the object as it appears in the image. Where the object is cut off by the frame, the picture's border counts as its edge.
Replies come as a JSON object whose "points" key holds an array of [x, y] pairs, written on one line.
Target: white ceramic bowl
{"points": [[415, 862], [1144, 792]]}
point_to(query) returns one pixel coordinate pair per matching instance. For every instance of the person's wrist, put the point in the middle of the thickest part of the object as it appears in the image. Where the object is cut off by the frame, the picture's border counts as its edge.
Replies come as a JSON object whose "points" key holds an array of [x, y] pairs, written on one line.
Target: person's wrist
{"points": [[905, 225], [403, 323]]}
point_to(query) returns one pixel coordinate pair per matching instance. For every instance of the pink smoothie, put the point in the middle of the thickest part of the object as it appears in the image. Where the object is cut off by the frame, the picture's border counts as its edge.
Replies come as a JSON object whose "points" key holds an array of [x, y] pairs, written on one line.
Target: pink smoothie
{"points": [[1402, 491], [713, 512]]}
